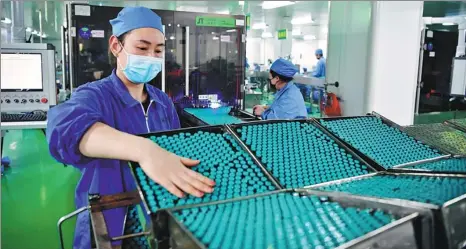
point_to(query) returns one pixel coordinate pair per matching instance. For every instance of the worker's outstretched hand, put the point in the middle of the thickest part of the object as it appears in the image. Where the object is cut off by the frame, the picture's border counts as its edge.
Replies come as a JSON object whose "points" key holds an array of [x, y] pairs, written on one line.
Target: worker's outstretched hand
{"points": [[258, 110], [172, 172]]}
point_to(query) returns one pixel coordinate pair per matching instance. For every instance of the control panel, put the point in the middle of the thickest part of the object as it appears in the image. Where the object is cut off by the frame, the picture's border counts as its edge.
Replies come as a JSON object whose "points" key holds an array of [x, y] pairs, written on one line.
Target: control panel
{"points": [[27, 77], [30, 100]]}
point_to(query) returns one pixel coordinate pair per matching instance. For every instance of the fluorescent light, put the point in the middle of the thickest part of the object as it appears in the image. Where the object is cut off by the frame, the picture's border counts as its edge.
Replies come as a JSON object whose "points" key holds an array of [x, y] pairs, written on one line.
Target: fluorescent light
{"points": [[34, 32], [302, 20], [6, 20], [267, 35], [231, 30], [296, 32], [172, 38], [261, 25], [309, 37], [241, 3], [215, 38], [448, 24], [223, 12], [275, 4], [28, 29]]}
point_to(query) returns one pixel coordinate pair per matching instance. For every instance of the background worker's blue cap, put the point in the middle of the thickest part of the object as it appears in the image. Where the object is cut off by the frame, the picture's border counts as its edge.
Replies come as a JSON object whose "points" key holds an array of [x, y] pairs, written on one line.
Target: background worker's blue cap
{"points": [[131, 18], [284, 68], [319, 52]]}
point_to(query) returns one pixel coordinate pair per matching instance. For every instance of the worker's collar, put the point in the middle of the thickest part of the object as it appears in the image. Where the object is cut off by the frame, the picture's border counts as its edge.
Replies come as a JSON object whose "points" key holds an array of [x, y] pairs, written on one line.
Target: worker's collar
{"points": [[126, 97], [287, 85]]}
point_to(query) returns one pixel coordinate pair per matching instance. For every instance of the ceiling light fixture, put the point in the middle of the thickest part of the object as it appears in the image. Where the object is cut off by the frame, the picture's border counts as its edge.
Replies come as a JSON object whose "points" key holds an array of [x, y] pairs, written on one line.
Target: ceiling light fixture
{"points": [[172, 38], [448, 24], [302, 20], [231, 30], [309, 37], [296, 32], [267, 35], [223, 12], [6, 20], [241, 3], [261, 25], [266, 5], [215, 38]]}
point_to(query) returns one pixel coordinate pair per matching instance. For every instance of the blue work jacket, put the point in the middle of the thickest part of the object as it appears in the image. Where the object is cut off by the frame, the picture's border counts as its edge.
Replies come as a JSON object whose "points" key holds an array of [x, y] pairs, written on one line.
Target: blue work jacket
{"points": [[287, 104], [320, 68], [107, 101]]}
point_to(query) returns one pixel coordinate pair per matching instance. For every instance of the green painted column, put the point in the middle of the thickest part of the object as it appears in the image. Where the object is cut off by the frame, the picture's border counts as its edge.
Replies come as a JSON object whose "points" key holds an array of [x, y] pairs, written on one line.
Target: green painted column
{"points": [[36, 191]]}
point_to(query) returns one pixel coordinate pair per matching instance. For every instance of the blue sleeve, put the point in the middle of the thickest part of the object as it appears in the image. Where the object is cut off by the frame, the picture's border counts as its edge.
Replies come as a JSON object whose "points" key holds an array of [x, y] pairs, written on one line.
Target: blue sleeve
{"points": [[320, 69], [68, 122], [281, 110], [174, 119]]}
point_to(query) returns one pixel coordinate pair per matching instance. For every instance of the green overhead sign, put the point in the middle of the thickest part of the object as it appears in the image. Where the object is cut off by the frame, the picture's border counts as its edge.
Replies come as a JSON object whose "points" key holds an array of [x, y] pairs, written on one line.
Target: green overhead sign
{"points": [[213, 21], [248, 21], [281, 34]]}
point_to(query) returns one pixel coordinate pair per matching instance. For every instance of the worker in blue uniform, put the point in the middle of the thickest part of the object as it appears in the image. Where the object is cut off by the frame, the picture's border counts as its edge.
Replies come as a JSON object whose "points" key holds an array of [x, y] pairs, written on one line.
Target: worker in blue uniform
{"points": [[94, 130], [288, 102], [319, 72]]}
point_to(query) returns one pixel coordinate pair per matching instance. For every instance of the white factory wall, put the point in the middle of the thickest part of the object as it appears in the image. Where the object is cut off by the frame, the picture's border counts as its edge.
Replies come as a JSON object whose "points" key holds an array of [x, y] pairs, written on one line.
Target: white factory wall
{"points": [[349, 38], [259, 50], [394, 59]]}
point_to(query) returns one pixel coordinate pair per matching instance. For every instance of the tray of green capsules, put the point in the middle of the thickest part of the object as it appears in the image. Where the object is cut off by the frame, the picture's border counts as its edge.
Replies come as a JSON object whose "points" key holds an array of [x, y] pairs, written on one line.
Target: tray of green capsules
{"points": [[299, 153], [443, 194], [299, 219], [379, 140]]}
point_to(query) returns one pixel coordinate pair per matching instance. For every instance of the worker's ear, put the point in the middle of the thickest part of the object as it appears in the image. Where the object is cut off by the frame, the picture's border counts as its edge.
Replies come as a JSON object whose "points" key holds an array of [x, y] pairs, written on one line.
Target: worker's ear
{"points": [[114, 45]]}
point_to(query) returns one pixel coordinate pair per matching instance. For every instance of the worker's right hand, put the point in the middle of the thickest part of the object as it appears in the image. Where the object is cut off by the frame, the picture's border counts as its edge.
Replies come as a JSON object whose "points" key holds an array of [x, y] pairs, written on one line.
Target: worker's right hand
{"points": [[172, 172]]}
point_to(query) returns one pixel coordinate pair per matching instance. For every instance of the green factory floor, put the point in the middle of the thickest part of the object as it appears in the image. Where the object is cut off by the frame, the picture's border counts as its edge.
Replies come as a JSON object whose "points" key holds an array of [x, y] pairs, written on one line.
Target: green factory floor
{"points": [[36, 192]]}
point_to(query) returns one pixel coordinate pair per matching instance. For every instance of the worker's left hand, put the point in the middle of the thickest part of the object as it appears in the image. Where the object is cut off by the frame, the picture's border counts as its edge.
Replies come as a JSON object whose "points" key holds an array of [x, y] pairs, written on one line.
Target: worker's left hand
{"points": [[258, 110]]}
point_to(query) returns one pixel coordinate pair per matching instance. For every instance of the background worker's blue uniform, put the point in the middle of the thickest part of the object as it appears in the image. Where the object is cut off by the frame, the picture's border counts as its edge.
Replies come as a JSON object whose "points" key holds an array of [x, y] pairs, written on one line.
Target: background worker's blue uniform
{"points": [[288, 104], [107, 101], [320, 68]]}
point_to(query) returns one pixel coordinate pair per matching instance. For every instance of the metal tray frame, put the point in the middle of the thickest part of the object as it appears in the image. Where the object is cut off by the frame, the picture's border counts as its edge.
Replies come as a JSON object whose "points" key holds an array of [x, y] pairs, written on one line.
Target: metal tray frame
{"points": [[384, 121], [157, 223], [374, 168], [449, 218], [456, 126], [398, 234], [402, 168]]}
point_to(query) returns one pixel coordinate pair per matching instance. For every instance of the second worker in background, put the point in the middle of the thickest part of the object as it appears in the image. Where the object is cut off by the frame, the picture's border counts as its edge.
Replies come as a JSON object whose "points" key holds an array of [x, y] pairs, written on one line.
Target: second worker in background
{"points": [[288, 102]]}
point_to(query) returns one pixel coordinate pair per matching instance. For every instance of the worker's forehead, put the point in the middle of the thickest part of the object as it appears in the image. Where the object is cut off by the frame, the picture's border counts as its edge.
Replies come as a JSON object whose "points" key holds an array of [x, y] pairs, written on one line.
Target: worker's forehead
{"points": [[149, 36]]}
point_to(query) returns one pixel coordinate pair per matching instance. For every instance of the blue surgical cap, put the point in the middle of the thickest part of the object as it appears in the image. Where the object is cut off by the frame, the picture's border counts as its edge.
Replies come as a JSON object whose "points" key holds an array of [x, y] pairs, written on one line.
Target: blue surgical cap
{"points": [[284, 68], [319, 52], [131, 18]]}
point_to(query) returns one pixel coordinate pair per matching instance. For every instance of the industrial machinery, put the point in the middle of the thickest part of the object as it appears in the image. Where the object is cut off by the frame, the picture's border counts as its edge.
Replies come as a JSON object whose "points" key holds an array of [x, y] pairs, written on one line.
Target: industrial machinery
{"points": [[204, 56], [441, 66], [27, 82], [337, 184]]}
